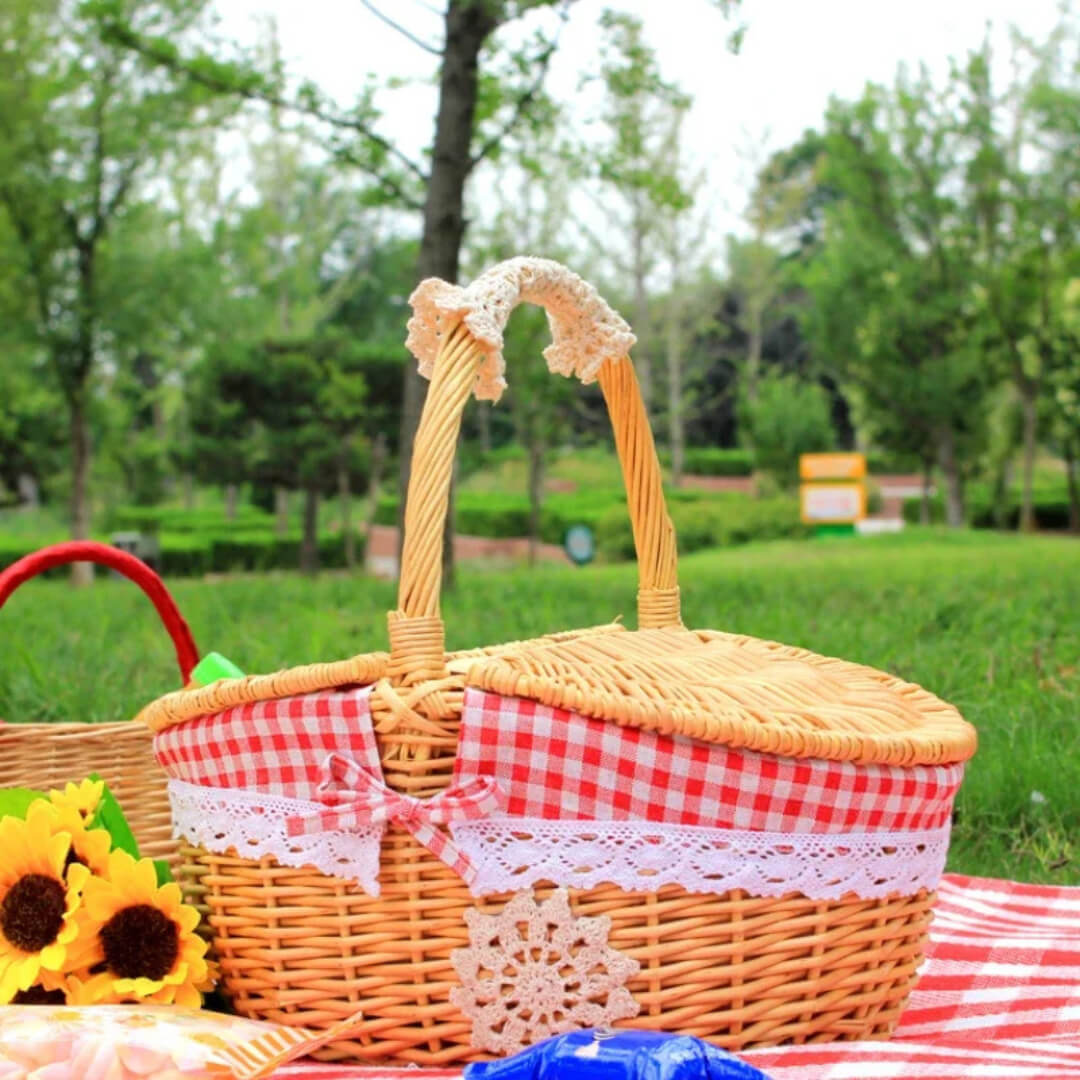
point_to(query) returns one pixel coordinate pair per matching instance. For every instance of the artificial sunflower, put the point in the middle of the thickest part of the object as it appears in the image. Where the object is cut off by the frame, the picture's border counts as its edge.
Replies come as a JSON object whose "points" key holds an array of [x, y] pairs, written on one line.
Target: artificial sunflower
{"points": [[89, 847], [137, 940], [84, 798], [39, 896]]}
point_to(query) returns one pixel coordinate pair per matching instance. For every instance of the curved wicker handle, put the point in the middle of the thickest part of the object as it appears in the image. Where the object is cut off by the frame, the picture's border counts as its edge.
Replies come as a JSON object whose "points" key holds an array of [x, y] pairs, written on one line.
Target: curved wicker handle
{"points": [[463, 329], [187, 655]]}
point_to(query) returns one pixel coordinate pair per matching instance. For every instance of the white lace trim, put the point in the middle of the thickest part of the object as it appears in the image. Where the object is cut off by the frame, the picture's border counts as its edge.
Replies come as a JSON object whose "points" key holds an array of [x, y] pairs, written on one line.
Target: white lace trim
{"points": [[514, 854], [585, 331], [254, 824]]}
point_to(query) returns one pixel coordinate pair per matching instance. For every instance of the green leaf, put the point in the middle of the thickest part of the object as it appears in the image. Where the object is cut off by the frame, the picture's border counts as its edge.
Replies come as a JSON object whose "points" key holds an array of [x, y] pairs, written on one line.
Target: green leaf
{"points": [[110, 817], [163, 871], [15, 801]]}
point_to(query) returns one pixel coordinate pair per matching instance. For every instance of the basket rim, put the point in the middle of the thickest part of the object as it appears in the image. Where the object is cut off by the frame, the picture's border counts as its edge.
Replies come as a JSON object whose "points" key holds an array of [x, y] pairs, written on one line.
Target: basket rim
{"points": [[673, 681]]}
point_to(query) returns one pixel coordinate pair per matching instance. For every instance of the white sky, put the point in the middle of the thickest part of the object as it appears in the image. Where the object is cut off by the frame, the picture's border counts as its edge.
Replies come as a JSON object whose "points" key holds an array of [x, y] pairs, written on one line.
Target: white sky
{"points": [[796, 54]]}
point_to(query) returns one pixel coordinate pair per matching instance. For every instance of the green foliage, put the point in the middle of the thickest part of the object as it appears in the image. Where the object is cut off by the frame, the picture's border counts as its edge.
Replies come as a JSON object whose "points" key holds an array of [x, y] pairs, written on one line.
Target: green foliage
{"points": [[110, 817], [787, 418], [16, 801], [717, 461], [174, 519], [708, 523], [507, 516], [890, 463], [984, 511], [213, 547]]}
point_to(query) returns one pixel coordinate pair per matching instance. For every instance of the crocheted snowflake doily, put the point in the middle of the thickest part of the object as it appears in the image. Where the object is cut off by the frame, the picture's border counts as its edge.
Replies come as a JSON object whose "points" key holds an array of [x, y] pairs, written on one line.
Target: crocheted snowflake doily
{"points": [[532, 971]]}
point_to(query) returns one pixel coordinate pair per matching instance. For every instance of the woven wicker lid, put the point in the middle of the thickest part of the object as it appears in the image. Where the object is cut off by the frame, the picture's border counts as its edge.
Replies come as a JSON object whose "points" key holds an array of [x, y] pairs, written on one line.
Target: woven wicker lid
{"points": [[736, 690]]}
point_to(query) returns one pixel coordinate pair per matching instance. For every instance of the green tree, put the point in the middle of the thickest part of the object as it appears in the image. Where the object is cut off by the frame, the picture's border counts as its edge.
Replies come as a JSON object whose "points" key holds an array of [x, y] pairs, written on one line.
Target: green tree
{"points": [[636, 158], [786, 418], [81, 120], [32, 436], [1022, 201], [890, 288]]}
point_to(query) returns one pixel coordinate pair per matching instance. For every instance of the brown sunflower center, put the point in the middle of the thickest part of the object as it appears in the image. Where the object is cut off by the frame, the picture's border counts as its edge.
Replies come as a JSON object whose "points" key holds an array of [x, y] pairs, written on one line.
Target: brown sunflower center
{"points": [[140, 941], [33, 912], [38, 995]]}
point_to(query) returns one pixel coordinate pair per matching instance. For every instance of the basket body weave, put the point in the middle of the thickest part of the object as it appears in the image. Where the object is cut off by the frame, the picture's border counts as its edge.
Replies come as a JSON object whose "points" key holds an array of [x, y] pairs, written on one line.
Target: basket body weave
{"points": [[634, 737], [44, 756]]}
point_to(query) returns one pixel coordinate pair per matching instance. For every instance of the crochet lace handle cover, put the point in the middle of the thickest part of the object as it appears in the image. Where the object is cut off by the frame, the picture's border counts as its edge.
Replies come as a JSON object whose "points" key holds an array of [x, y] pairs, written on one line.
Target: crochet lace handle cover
{"points": [[456, 334]]}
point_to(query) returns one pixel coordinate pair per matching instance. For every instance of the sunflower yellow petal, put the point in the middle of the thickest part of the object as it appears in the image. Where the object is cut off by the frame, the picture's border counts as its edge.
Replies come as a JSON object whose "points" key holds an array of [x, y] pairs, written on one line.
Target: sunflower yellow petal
{"points": [[52, 956]]}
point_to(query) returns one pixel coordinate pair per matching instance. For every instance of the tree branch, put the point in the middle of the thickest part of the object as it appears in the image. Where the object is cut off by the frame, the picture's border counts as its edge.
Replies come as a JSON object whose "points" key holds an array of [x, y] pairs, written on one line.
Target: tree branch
{"points": [[390, 184], [404, 31], [525, 100], [166, 57]]}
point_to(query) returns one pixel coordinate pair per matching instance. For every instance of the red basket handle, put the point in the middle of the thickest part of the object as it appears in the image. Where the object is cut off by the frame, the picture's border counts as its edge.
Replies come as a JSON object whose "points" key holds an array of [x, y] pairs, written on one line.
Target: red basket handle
{"points": [[187, 655]]}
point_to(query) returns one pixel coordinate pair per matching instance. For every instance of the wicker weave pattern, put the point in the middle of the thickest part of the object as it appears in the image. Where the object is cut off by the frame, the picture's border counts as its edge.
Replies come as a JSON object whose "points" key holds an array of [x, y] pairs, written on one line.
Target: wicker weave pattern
{"points": [[44, 756], [303, 948], [298, 948]]}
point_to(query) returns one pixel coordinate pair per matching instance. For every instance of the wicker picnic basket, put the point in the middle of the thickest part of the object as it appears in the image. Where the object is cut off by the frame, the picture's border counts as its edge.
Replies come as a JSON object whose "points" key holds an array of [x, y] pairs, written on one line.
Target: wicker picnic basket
{"points": [[664, 828], [45, 756]]}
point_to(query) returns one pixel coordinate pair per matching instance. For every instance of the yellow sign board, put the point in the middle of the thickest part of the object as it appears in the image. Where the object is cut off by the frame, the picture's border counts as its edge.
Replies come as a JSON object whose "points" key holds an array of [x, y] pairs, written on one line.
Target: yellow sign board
{"points": [[832, 466], [832, 504]]}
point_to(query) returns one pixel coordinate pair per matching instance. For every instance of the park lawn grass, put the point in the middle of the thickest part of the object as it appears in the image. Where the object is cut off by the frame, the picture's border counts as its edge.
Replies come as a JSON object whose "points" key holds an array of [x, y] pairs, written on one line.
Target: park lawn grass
{"points": [[988, 621]]}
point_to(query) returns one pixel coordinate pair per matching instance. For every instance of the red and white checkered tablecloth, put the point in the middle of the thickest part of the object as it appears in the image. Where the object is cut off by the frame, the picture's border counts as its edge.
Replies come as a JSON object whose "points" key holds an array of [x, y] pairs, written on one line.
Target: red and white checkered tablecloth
{"points": [[999, 998]]}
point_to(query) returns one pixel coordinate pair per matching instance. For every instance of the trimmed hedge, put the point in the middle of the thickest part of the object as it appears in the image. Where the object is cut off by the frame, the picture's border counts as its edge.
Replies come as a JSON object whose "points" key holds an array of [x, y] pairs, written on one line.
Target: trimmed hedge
{"points": [[717, 522], [507, 516], [715, 461], [1051, 509], [187, 554], [174, 519], [886, 463]]}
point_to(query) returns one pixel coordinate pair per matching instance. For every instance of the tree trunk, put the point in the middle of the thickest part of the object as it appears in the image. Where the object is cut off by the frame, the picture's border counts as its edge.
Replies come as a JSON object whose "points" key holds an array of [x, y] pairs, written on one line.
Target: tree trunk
{"points": [[924, 500], [281, 510], [345, 500], [28, 491], [468, 25], [189, 491], [642, 360], [676, 434], [81, 573], [954, 485], [536, 495], [1072, 467], [378, 463], [483, 422], [230, 502], [1029, 405], [309, 546], [753, 355]]}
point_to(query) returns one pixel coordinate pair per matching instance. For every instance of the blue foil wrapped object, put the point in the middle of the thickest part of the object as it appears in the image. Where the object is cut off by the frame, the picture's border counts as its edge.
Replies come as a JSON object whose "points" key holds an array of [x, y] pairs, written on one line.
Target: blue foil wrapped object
{"points": [[608, 1054]]}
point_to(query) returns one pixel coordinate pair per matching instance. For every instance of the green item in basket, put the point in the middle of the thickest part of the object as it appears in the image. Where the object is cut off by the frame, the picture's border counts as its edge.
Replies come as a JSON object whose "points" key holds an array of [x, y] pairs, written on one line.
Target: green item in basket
{"points": [[214, 666]]}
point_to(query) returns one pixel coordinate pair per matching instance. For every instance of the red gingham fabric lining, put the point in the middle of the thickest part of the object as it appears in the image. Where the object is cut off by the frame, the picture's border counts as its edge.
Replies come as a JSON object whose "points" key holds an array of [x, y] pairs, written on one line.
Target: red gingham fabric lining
{"points": [[555, 764], [274, 746], [999, 998]]}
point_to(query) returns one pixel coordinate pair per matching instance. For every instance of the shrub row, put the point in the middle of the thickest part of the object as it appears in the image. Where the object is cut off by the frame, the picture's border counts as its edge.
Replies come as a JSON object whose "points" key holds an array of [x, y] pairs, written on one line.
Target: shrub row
{"points": [[188, 554], [713, 461], [501, 516], [1051, 510], [716, 522], [175, 519]]}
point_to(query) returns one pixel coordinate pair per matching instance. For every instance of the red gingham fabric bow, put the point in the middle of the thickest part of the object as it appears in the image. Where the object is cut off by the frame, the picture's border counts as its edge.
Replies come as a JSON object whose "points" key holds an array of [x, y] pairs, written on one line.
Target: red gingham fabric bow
{"points": [[371, 802]]}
